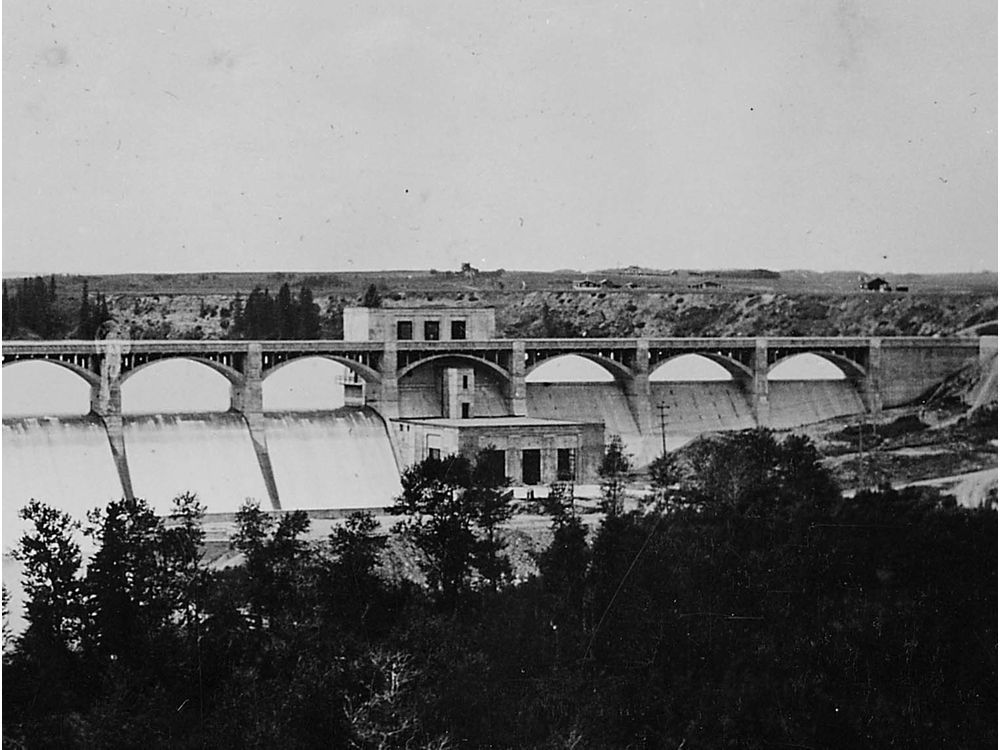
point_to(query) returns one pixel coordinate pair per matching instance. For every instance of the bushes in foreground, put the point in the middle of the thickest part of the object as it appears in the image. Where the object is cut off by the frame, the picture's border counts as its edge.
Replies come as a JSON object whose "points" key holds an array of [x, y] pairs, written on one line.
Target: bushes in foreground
{"points": [[791, 620]]}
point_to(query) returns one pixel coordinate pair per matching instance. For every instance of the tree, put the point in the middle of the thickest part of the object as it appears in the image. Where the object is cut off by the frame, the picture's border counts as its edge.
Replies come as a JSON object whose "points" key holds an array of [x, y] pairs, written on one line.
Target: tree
{"points": [[454, 510], [51, 559], [491, 500], [666, 475], [130, 584], [309, 322], [372, 298], [276, 564], [286, 313], [614, 469], [84, 317], [439, 522]]}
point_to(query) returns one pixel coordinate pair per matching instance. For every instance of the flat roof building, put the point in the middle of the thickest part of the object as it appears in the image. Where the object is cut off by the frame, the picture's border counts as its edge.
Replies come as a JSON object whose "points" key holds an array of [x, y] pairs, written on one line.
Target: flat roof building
{"points": [[532, 452], [423, 323]]}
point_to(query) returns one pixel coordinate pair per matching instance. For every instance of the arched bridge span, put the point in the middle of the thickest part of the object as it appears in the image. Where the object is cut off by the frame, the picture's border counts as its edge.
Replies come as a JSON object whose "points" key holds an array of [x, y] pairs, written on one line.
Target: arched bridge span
{"points": [[890, 370]]}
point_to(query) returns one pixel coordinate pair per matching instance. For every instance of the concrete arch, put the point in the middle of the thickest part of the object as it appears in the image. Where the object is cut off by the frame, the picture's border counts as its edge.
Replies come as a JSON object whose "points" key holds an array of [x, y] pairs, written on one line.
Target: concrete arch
{"points": [[737, 370], [492, 366], [233, 376], [367, 374], [851, 369], [618, 371], [92, 379]]}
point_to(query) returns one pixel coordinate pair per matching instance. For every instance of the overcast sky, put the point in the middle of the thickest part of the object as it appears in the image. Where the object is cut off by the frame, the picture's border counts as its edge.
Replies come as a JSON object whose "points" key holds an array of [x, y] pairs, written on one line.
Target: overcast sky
{"points": [[323, 135]]}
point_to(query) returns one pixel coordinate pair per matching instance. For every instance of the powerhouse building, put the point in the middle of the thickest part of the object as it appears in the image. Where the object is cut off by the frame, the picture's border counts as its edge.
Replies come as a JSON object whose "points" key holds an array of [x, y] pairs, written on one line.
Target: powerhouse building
{"points": [[530, 451]]}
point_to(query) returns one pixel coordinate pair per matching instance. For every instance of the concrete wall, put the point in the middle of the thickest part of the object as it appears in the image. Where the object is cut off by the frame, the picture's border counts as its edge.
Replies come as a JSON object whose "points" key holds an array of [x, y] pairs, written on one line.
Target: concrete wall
{"points": [[587, 402], [422, 393], [379, 323], [693, 408], [799, 402], [910, 371]]}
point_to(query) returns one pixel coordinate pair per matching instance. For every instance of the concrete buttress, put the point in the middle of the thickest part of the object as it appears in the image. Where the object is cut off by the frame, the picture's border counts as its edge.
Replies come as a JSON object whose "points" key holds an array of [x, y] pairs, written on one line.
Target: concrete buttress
{"points": [[761, 387], [638, 391], [106, 402], [247, 398]]}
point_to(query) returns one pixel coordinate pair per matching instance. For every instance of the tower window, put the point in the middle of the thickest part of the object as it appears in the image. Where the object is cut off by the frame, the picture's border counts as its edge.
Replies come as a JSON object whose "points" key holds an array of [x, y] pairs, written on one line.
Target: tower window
{"points": [[457, 330], [404, 330], [432, 330]]}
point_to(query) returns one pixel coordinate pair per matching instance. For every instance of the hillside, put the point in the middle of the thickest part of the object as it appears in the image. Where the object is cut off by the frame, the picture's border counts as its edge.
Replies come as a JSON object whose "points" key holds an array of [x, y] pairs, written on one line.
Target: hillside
{"points": [[532, 304]]}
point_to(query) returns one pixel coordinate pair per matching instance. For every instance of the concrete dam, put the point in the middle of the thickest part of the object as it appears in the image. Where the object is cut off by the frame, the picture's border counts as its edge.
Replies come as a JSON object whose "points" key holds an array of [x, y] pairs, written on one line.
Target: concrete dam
{"points": [[350, 457], [330, 460]]}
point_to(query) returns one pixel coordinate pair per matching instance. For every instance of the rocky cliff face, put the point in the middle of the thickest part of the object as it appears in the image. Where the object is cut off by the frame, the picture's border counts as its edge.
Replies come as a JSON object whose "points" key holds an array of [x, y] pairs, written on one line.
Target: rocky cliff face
{"points": [[655, 314], [624, 313]]}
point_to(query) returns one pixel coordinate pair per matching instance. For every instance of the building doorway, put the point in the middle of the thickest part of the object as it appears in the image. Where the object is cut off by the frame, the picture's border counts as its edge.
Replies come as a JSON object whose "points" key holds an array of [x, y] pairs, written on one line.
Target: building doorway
{"points": [[531, 466]]}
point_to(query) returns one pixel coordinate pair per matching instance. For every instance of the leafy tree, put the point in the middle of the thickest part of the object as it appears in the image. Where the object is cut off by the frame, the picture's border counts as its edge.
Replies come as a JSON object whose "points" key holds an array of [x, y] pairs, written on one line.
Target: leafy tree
{"points": [[51, 559], [287, 314], [665, 474], [276, 561], [490, 496], [129, 583], [453, 513], [614, 469], [440, 522], [309, 319], [372, 298]]}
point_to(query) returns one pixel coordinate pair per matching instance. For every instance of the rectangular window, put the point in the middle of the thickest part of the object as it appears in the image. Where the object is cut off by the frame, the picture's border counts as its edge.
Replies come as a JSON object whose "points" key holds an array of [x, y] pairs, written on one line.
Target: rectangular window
{"points": [[404, 330], [465, 382], [531, 466], [434, 453], [432, 330], [565, 464], [457, 330], [466, 409]]}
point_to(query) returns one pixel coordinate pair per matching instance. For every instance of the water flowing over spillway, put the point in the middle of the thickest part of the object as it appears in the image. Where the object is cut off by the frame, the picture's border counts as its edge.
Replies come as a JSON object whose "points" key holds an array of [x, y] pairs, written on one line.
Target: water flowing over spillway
{"points": [[320, 460], [339, 459], [208, 454], [64, 462]]}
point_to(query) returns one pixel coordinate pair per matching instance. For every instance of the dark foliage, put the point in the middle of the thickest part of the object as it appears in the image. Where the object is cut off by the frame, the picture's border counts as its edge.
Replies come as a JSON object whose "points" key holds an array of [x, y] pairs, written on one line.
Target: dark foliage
{"points": [[777, 615], [261, 316]]}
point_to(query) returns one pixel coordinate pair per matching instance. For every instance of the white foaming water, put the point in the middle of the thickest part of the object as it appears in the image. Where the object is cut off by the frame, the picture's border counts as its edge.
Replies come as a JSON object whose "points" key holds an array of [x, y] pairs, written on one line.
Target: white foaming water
{"points": [[63, 462], [339, 459], [208, 454]]}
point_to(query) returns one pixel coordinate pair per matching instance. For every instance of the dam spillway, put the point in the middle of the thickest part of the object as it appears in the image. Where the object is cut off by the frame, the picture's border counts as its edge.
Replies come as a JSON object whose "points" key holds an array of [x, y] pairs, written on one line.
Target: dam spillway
{"points": [[65, 462], [326, 460], [332, 460], [209, 454]]}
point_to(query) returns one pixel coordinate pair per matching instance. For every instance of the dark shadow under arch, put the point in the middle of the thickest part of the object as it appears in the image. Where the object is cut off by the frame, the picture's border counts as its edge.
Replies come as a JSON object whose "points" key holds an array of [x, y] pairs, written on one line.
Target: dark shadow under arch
{"points": [[501, 373]]}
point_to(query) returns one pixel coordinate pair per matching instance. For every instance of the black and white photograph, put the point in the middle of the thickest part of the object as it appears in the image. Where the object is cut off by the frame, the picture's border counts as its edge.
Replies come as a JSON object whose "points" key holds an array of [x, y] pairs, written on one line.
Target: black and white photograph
{"points": [[504, 375]]}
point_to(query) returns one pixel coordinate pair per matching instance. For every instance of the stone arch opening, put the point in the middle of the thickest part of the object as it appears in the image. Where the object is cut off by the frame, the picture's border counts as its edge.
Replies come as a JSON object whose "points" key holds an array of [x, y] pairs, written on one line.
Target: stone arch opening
{"points": [[814, 366], [424, 387], [457, 360], [312, 383], [177, 385], [366, 373], [570, 368], [694, 368], [46, 387]]}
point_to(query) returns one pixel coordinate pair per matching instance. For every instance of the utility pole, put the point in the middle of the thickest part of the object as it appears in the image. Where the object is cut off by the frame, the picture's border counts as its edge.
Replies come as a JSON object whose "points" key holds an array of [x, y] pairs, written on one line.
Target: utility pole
{"points": [[663, 426], [861, 453]]}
